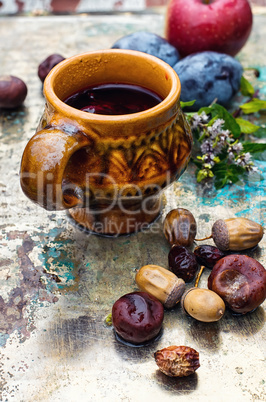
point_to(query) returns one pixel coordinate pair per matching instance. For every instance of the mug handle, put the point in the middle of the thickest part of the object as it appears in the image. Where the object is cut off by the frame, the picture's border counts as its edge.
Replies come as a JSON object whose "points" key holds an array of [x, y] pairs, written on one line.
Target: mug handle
{"points": [[43, 164]]}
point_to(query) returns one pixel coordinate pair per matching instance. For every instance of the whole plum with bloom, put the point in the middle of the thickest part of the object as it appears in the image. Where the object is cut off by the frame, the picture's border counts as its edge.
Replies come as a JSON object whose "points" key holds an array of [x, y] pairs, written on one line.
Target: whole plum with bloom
{"points": [[199, 25], [150, 43], [208, 76], [137, 317]]}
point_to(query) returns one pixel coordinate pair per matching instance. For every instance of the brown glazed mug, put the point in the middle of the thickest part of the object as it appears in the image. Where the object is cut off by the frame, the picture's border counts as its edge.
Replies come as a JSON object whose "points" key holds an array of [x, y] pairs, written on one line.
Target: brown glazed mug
{"points": [[108, 171]]}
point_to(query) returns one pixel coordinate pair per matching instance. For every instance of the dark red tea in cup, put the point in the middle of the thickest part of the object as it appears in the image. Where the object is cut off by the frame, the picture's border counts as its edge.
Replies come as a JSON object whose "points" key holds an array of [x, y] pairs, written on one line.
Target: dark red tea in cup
{"points": [[113, 99]]}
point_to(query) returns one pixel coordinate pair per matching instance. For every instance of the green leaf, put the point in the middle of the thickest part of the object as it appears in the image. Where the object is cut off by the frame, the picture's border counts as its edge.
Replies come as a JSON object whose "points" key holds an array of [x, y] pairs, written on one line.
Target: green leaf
{"points": [[210, 123], [254, 147], [255, 105], [206, 109], [187, 104], [189, 114], [246, 87], [196, 162], [246, 126], [230, 122], [227, 174], [260, 156], [260, 133]]}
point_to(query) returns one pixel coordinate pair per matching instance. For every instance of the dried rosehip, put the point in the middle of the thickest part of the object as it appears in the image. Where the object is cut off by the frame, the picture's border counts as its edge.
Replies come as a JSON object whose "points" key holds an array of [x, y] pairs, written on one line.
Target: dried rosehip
{"points": [[180, 227], [46, 65], [177, 361], [13, 91], [137, 317], [208, 255], [182, 263]]}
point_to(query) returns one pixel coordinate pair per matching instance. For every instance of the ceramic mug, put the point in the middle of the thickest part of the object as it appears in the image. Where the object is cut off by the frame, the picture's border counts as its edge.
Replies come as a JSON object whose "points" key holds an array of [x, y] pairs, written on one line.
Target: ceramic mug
{"points": [[108, 171]]}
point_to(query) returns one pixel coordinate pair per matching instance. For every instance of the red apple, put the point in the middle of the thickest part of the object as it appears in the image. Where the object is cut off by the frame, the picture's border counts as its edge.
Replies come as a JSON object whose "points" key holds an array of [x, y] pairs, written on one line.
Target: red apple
{"points": [[219, 25]]}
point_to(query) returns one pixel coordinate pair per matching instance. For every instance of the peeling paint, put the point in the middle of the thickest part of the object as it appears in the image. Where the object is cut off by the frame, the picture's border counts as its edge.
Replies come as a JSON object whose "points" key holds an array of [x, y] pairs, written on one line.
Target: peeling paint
{"points": [[31, 286]]}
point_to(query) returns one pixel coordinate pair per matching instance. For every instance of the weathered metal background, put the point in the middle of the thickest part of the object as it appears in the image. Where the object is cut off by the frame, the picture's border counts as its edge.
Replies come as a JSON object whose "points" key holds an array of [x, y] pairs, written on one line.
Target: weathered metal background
{"points": [[85, 6], [58, 284]]}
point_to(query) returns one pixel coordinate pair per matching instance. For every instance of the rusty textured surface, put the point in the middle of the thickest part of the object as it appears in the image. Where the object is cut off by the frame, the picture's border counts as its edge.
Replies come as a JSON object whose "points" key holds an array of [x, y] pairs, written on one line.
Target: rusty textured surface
{"points": [[58, 284]]}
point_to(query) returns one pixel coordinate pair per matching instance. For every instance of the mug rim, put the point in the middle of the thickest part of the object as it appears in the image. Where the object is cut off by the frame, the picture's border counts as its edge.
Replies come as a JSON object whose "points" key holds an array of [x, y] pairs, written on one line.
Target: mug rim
{"points": [[167, 103]]}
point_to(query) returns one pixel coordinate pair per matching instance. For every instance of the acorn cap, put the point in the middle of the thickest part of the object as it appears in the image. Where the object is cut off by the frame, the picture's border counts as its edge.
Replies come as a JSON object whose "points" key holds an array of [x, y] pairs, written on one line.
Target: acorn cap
{"points": [[175, 294], [220, 234]]}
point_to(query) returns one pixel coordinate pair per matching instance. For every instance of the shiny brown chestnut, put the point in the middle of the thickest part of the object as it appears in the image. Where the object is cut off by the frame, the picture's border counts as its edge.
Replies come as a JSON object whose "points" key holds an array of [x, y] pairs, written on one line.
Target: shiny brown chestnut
{"points": [[240, 281], [47, 64], [137, 317], [13, 92]]}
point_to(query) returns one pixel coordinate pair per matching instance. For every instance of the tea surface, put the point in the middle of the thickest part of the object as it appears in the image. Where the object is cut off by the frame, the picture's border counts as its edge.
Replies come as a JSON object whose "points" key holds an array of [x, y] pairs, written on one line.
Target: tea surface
{"points": [[113, 99]]}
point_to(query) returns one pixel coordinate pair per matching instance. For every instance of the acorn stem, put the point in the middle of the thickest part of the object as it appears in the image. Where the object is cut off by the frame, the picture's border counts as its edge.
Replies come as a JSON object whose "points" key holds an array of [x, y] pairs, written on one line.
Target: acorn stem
{"points": [[199, 275], [205, 238]]}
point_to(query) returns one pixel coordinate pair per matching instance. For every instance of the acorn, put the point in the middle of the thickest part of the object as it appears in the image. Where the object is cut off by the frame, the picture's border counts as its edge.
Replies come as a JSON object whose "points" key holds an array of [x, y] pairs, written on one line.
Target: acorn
{"points": [[180, 227], [161, 283], [203, 304], [235, 234]]}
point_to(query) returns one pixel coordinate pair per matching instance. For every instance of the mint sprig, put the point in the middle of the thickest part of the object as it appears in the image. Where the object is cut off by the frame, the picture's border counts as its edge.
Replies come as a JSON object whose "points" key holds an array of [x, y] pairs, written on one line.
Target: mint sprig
{"points": [[222, 153]]}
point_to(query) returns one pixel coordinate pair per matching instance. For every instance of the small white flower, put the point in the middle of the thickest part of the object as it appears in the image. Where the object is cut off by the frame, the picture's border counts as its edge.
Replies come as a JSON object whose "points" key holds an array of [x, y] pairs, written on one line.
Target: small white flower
{"points": [[247, 157], [240, 162], [196, 120], [206, 147], [231, 156], [216, 128], [209, 159], [225, 133], [236, 149], [254, 169], [204, 117], [244, 160], [218, 148]]}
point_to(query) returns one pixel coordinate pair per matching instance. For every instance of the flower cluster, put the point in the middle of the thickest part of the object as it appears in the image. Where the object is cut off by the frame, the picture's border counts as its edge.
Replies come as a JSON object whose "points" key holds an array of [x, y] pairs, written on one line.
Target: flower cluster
{"points": [[217, 145]]}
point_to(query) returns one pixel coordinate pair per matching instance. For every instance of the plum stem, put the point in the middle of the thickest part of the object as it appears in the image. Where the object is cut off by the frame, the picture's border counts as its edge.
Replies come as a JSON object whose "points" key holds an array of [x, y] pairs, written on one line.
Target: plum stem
{"points": [[205, 238], [198, 276]]}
